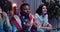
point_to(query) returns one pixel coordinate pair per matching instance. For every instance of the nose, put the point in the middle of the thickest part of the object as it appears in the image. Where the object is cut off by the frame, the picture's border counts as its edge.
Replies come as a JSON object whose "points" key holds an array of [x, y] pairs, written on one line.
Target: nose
{"points": [[28, 11]]}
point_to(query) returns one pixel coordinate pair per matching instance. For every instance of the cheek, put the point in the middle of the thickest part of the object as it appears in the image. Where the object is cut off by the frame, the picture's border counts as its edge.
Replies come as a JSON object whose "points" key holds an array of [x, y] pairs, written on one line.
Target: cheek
{"points": [[26, 11], [44, 10]]}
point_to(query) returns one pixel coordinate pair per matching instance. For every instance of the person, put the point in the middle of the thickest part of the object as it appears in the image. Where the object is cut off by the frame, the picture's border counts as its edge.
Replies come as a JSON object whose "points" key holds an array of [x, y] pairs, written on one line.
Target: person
{"points": [[6, 5], [42, 18], [15, 21], [26, 17], [4, 19]]}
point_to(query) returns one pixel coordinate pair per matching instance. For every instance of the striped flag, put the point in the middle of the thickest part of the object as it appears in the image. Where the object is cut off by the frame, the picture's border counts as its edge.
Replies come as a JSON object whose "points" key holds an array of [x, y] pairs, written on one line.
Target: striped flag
{"points": [[31, 19], [16, 21]]}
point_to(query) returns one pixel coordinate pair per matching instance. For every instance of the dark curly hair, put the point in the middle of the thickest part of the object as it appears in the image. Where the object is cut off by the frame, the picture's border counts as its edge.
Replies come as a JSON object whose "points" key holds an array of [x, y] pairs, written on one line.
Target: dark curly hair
{"points": [[39, 10], [24, 4]]}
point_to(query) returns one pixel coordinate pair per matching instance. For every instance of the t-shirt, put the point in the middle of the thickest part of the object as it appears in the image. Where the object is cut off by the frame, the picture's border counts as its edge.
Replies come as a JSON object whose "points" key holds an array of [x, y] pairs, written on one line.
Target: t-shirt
{"points": [[42, 19]]}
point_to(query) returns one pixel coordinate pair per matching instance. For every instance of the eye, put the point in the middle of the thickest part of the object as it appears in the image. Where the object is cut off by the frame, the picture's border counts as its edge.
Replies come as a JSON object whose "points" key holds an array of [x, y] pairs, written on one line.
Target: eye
{"points": [[29, 9]]}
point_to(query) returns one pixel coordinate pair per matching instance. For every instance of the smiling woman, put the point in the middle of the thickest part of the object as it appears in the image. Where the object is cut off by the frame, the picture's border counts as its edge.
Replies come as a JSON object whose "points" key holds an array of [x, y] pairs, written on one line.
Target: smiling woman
{"points": [[42, 19]]}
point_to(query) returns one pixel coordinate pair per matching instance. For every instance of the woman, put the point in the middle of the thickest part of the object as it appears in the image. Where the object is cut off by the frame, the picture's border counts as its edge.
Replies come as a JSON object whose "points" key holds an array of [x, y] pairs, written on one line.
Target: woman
{"points": [[42, 18], [26, 17], [4, 20]]}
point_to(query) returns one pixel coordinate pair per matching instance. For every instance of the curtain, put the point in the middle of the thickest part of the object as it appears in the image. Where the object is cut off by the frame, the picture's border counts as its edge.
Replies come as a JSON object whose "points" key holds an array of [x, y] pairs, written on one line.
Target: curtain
{"points": [[34, 4]]}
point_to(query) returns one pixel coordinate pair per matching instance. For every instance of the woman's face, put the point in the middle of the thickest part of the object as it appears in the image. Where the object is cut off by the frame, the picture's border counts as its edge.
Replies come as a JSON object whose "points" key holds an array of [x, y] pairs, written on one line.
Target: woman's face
{"points": [[26, 9], [44, 9]]}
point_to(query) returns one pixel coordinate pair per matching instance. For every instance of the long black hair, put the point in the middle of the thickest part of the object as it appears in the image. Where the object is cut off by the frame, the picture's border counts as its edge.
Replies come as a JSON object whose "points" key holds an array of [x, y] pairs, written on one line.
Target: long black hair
{"points": [[39, 10]]}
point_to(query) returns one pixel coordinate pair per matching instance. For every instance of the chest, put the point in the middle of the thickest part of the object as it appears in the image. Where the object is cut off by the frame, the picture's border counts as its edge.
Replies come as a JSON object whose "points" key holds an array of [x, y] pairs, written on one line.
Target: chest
{"points": [[40, 19], [25, 19]]}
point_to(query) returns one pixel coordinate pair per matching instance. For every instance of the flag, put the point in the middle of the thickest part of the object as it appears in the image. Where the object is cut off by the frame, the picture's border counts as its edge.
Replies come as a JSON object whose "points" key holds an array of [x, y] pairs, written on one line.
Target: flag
{"points": [[16, 21]]}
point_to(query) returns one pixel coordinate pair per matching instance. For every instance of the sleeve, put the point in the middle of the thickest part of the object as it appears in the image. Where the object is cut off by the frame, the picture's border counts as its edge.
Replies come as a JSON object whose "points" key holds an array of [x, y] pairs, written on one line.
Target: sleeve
{"points": [[7, 28], [46, 20], [37, 17]]}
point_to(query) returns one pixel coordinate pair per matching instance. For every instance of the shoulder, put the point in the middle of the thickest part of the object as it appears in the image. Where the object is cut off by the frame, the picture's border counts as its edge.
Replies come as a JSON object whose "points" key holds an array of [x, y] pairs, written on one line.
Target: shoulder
{"points": [[46, 16], [36, 15]]}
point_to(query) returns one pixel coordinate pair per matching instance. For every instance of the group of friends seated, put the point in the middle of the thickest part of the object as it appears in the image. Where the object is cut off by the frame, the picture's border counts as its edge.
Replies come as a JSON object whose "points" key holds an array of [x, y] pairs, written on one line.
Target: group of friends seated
{"points": [[26, 21]]}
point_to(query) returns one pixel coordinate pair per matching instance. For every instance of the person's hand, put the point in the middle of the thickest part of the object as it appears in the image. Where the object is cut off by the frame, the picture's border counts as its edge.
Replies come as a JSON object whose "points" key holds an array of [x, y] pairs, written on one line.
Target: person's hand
{"points": [[28, 24], [39, 25], [36, 23], [48, 27]]}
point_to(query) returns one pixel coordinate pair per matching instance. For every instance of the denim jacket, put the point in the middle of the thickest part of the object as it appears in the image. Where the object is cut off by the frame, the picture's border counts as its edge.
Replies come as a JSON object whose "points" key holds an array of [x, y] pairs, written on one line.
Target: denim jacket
{"points": [[4, 28]]}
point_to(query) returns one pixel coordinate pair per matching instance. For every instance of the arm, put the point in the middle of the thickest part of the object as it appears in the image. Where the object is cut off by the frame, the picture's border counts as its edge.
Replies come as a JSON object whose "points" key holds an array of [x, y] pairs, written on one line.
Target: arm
{"points": [[48, 27], [6, 18], [36, 23], [7, 21], [31, 20], [46, 23]]}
